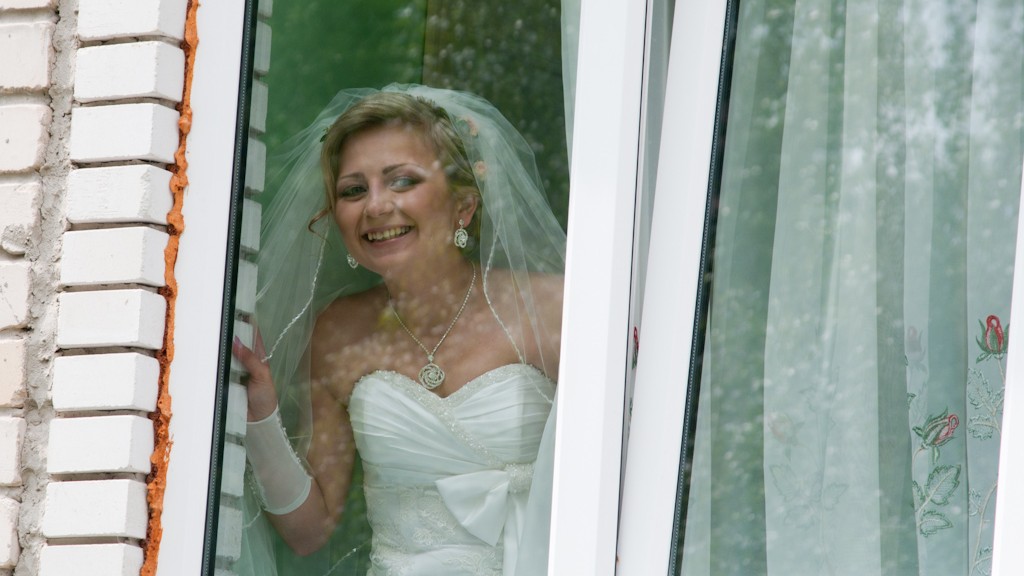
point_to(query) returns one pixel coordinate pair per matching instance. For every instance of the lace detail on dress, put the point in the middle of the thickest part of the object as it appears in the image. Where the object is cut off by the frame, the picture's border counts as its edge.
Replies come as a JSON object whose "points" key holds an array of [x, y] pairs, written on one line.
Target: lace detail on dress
{"points": [[473, 386], [519, 477], [482, 562], [408, 521]]}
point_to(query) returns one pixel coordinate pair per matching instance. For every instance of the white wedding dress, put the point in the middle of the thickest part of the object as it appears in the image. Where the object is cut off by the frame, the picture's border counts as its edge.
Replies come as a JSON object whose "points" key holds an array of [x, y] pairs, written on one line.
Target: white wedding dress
{"points": [[448, 480]]}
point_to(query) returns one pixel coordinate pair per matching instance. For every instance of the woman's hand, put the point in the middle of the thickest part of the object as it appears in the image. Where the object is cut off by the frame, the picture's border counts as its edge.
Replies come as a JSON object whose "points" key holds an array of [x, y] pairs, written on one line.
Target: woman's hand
{"points": [[260, 387], [331, 458]]}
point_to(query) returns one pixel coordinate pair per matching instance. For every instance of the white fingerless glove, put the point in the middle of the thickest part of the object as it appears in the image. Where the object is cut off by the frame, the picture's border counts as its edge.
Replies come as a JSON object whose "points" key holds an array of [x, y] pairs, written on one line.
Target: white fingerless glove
{"points": [[282, 481]]}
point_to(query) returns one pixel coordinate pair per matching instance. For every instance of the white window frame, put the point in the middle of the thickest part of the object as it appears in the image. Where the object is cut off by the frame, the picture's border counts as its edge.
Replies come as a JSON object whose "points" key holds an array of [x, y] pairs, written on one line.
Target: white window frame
{"points": [[588, 443], [651, 478], [670, 299], [200, 272], [592, 374], [604, 164]]}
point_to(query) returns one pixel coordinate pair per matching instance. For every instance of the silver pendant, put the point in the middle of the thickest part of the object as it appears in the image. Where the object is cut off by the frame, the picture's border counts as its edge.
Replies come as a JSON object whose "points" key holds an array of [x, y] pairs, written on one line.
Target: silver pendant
{"points": [[431, 376]]}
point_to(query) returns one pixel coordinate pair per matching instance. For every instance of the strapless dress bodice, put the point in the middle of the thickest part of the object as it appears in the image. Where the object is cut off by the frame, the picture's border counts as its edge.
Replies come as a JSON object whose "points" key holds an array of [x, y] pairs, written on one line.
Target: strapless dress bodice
{"points": [[447, 479]]}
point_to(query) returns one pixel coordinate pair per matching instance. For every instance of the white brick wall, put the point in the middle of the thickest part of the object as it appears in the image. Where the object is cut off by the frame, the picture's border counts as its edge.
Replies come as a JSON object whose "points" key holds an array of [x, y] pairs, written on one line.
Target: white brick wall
{"points": [[106, 19], [237, 410], [256, 161], [229, 533], [132, 318], [122, 135], [20, 214], [127, 445], [261, 61], [15, 280], [91, 560], [12, 372], [12, 433], [88, 128], [258, 105], [32, 42], [131, 255], [9, 549], [90, 508], [245, 293], [26, 57], [233, 471], [96, 382], [134, 70], [251, 218], [119, 194], [124, 132], [245, 332], [23, 136], [25, 4]]}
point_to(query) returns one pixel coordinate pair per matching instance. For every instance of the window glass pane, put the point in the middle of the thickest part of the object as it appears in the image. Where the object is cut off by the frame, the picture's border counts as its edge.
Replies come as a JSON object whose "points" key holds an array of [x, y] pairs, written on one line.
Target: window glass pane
{"points": [[371, 468], [851, 395]]}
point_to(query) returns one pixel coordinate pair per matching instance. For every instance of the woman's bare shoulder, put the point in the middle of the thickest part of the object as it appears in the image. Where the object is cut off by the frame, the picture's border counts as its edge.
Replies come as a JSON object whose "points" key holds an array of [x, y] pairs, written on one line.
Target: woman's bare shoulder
{"points": [[545, 290], [547, 294], [341, 329], [549, 286], [348, 317], [540, 282]]}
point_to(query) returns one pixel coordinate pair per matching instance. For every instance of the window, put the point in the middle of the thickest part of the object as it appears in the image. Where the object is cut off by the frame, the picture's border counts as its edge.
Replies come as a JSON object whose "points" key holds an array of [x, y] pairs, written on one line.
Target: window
{"points": [[855, 354], [301, 56]]}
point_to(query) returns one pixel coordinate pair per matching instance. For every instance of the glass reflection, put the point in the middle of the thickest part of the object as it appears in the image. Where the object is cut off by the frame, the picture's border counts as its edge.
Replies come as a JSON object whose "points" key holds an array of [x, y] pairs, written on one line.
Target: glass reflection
{"points": [[854, 365], [401, 354]]}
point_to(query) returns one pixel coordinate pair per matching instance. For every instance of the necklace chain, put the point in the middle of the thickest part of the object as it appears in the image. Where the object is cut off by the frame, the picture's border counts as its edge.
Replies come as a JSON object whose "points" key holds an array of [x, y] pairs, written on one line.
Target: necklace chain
{"points": [[431, 375]]}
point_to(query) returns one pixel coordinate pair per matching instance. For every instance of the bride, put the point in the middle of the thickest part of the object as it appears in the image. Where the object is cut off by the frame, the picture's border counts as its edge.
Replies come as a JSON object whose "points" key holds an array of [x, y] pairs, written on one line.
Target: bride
{"points": [[412, 315]]}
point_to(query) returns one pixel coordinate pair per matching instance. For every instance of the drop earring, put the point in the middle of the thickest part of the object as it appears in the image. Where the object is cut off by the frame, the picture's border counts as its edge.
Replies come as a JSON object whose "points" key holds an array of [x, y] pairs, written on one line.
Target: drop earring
{"points": [[461, 236], [352, 262]]}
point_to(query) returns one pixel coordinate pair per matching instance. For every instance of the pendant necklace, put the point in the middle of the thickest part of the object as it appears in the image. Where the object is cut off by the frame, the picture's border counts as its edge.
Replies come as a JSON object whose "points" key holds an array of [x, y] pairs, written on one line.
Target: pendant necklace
{"points": [[431, 375]]}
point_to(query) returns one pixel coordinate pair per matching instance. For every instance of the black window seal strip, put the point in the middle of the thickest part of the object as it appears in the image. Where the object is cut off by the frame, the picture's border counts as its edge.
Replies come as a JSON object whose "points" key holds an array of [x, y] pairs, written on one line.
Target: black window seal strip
{"points": [[703, 287], [234, 222]]}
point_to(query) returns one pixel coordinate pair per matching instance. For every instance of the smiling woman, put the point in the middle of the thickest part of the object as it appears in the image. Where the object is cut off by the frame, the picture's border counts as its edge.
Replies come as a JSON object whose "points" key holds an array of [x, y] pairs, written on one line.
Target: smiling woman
{"points": [[401, 379], [397, 213], [392, 193]]}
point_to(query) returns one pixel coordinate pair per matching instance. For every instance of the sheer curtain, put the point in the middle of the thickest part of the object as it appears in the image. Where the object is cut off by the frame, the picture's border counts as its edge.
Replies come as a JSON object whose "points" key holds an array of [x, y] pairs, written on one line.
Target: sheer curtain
{"points": [[850, 408]]}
